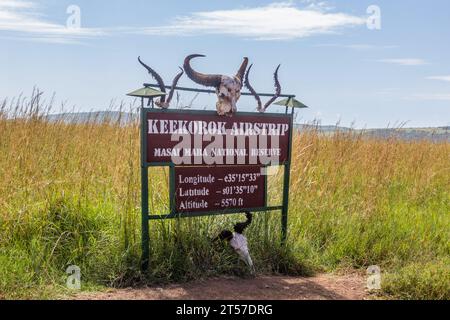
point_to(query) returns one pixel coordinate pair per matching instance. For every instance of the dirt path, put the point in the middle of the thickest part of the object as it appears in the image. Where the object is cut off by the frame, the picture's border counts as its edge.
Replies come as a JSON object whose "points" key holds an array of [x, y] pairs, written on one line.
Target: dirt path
{"points": [[321, 287]]}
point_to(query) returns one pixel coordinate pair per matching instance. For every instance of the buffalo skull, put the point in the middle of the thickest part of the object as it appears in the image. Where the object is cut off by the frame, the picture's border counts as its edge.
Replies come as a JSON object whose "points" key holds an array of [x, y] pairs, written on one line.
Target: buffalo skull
{"points": [[228, 89]]}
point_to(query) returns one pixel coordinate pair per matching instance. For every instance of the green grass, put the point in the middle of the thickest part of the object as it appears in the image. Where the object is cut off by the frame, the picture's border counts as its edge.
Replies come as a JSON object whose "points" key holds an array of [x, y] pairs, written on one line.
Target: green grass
{"points": [[70, 194], [427, 280]]}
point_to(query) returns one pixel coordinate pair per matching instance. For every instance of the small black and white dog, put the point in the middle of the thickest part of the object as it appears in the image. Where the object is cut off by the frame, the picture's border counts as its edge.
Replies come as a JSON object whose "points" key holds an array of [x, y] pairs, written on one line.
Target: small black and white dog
{"points": [[238, 241]]}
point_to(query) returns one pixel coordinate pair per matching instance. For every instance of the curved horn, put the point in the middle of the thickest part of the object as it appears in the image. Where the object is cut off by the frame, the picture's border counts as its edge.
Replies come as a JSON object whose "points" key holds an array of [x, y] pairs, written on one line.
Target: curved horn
{"points": [[277, 89], [207, 80], [174, 84], [156, 76], [241, 73], [252, 91]]}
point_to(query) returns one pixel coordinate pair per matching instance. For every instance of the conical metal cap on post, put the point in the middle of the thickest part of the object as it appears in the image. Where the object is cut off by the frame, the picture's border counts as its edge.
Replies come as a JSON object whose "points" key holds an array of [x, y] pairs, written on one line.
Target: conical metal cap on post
{"points": [[146, 92], [291, 103]]}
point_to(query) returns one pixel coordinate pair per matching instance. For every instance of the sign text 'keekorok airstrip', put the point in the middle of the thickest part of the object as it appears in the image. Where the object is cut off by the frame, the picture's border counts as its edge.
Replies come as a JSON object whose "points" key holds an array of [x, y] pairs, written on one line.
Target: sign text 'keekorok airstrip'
{"points": [[208, 139]]}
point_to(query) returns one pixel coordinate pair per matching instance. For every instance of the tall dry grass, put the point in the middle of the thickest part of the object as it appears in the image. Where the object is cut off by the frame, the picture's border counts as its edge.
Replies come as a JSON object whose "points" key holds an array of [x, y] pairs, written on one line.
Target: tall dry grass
{"points": [[70, 194]]}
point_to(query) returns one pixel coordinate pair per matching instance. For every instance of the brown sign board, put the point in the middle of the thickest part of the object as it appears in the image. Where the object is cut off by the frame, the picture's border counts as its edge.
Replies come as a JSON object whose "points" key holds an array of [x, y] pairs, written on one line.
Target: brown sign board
{"points": [[206, 189], [205, 138]]}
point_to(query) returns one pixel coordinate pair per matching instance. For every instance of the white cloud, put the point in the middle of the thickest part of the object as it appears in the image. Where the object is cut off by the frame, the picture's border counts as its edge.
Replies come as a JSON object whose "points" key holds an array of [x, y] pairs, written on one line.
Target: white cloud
{"points": [[431, 97], [357, 46], [318, 5], [16, 4], [440, 78], [405, 62], [23, 19], [276, 21]]}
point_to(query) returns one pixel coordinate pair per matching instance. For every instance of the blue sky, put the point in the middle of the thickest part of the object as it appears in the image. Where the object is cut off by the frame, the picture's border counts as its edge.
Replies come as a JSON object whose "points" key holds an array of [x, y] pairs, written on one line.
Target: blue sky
{"points": [[330, 59]]}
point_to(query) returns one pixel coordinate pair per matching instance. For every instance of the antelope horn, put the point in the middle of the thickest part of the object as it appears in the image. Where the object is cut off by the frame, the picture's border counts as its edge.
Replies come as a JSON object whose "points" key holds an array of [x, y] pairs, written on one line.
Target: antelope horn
{"points": [[252, 91], [277, 89], [207, 80], [241, 73], [157, 77], [174, 84]]}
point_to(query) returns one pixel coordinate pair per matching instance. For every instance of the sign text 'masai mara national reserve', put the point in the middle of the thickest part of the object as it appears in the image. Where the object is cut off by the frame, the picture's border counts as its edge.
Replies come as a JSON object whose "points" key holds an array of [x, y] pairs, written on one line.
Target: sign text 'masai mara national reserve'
{"points": [[218, 160]]}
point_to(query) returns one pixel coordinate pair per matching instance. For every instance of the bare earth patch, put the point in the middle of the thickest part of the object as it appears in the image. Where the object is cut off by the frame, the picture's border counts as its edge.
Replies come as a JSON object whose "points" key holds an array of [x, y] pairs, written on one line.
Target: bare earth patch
{"points": [[321, 287]]}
